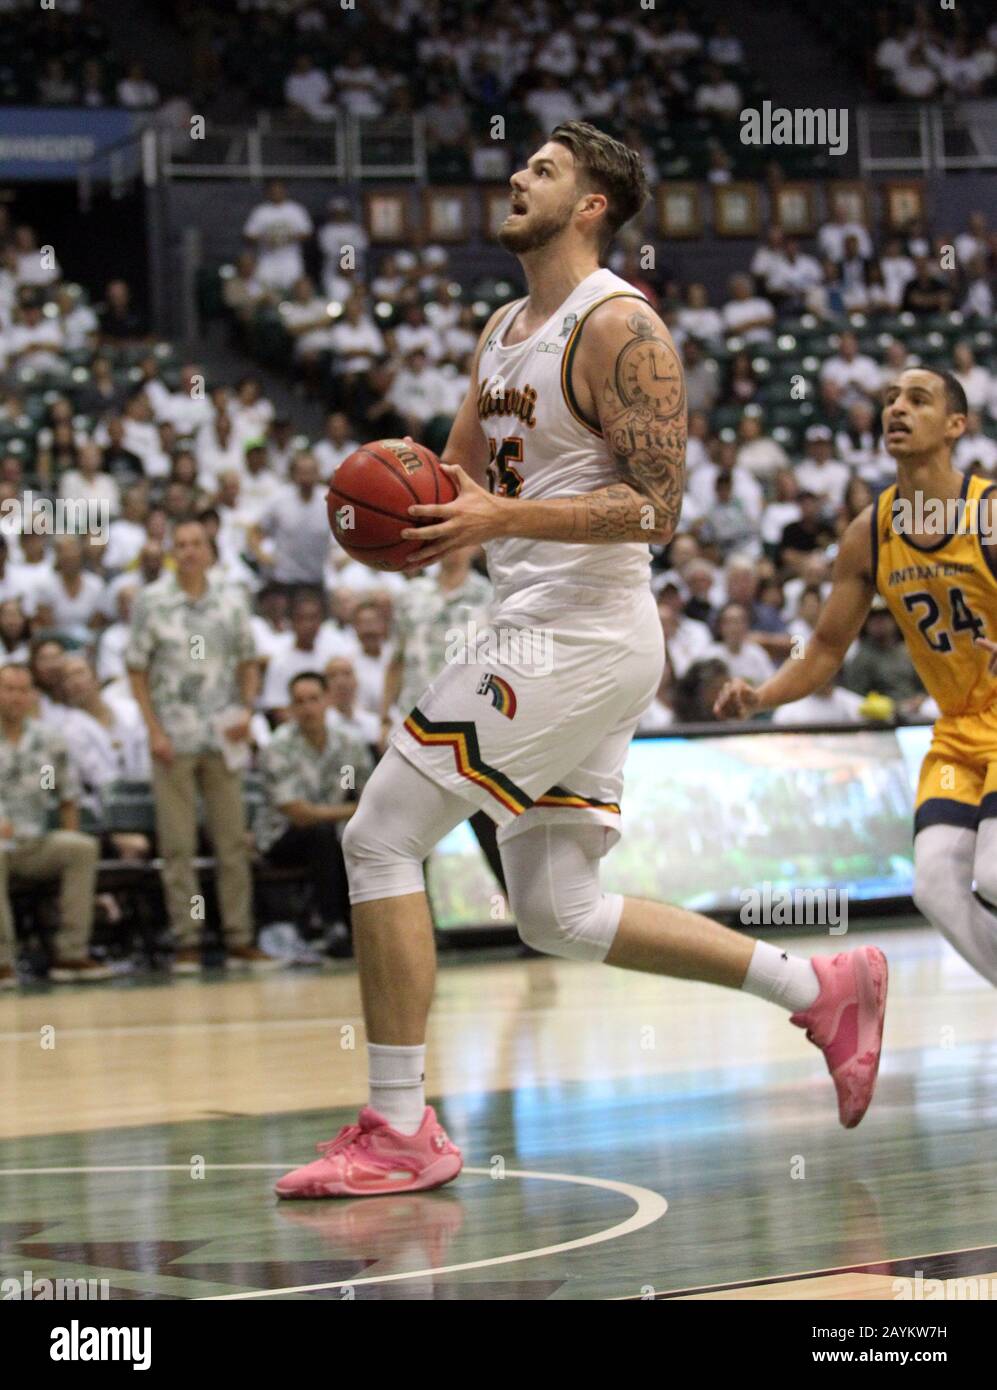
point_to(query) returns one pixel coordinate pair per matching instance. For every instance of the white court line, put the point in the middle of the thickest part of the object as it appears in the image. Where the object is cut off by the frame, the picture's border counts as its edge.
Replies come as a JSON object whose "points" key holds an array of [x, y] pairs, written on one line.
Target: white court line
{"points": [[651, 1206]]}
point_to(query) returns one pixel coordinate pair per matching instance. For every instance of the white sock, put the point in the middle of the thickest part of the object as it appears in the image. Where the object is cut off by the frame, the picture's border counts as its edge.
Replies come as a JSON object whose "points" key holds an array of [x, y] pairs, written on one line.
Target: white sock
{"points": [[780, 978], [397, 1085]]}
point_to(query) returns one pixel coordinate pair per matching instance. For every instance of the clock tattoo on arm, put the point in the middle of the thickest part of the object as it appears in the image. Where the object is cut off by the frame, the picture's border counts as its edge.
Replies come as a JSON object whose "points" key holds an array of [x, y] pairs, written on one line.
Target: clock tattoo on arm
{"points": [[643, 413]]}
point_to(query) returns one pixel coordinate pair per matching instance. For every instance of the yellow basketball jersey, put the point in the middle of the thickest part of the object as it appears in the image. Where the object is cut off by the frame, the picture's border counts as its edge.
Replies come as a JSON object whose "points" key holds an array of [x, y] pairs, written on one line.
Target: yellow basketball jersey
{"points": [[943, 596]]}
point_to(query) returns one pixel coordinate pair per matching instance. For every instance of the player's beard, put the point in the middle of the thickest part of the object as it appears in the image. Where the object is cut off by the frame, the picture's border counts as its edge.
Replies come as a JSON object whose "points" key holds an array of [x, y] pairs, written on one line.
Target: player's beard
{"points": [[534, 232]]}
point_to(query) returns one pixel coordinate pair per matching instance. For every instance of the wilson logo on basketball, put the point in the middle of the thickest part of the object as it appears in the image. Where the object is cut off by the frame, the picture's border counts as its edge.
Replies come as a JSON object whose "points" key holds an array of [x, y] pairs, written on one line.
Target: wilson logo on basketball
{"points": [[406, 456], [500, 692]]}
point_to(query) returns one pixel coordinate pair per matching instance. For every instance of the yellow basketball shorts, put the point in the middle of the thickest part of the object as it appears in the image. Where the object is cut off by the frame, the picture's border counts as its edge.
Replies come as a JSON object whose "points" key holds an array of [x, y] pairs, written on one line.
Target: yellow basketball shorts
{"points": [[958, 781]]}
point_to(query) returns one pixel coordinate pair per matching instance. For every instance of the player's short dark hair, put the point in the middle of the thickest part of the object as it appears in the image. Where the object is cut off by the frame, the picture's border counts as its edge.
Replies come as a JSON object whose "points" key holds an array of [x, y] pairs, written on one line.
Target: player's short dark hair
{"points": [[955, 395], [316, 676], [610, 167]]}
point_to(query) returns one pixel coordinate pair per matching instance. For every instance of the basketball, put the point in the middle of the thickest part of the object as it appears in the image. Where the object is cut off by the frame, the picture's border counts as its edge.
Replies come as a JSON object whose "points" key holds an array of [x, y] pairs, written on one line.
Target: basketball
{"points": [[371, 493]]}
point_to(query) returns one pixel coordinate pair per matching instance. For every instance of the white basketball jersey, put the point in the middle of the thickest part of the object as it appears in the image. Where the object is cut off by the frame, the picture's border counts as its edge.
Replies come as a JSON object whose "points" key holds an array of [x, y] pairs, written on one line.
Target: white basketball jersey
{"points": [[541, 446]]}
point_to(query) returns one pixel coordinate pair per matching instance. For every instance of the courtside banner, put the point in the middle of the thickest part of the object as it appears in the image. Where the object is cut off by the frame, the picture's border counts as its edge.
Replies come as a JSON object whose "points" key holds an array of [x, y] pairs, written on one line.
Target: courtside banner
{"points": [[51, 144]]}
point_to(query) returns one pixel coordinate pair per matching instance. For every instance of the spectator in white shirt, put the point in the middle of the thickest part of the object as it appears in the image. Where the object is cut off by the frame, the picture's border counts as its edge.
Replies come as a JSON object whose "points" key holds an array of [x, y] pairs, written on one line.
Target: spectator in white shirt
{"points": [[831, 704], [782, 510], [187, 408], [898, 271], [697, 318], [686, 639], [976, 381], [832, 238], [217, 449], [296, 523], [346, 712], [277, 228], [336, 444], [341, 238], [414, 332], [356, 340], [283, 445], [258, 482], [113, 641], [314, 643], [33, 268], [724, 48], [793, 276], [974, 447], [979, 300], [702, 486], [857, 443], [35, 341], [551, 104], [87, 483], [748, 315], [744, 658], [135, 91], [971, 243], [681, 42], [915, 77], [374, 653], [855, 374], [757, 451], [417, 392], [71, 599], [718, 95], [271, 632], [767, 256], [306, 319], [820, 472], [78, 320], [307, 90], [250, 410]]}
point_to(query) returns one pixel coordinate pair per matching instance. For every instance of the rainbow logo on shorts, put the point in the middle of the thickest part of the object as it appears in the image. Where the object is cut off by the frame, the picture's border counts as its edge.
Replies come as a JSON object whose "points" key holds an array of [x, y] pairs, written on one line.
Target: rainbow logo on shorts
{"points": [[502, 694]]}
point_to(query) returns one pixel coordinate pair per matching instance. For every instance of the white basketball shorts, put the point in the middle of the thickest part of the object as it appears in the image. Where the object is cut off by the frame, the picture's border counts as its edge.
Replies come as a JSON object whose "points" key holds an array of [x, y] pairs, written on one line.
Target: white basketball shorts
{"points": [[533, 720]]}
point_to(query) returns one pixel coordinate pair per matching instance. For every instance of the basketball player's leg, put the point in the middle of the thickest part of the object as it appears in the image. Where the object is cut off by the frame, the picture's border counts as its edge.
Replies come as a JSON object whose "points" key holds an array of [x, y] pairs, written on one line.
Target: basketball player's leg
{"points": [[560, 908], [951, 856], [655, 937], [397, 1143], [401, 816]]}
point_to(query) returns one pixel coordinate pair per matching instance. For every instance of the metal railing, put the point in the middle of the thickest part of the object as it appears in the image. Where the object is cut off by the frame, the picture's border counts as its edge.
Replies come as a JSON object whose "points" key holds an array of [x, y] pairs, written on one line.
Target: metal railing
{"points": [[926, 139], [345, 148]]}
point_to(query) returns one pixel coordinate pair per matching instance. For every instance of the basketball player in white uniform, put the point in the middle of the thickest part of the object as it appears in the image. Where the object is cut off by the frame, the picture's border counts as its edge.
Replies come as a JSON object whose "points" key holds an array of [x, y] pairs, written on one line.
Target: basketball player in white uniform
{"points": [[569, 457]]}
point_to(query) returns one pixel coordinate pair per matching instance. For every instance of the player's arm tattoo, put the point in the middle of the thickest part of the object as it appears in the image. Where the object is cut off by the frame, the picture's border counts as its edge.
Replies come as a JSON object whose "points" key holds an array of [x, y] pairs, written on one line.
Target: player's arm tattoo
{"points": [[643, 415]]}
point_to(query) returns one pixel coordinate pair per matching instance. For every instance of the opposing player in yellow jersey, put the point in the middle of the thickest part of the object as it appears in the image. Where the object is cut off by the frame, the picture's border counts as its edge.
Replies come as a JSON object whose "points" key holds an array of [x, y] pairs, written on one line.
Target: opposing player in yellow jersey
{"points": [[942, 590]]}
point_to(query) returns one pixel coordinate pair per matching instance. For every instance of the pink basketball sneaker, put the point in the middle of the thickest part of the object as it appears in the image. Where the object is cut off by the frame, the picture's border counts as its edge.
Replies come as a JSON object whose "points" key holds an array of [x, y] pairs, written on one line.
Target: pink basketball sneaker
{"points": [[846, 1023], [370, 1158]]}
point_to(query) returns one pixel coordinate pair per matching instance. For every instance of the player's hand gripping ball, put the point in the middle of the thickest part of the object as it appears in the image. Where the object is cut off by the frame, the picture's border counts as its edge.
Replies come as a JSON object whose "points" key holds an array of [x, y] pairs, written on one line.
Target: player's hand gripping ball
{"points": [[371, 492]]}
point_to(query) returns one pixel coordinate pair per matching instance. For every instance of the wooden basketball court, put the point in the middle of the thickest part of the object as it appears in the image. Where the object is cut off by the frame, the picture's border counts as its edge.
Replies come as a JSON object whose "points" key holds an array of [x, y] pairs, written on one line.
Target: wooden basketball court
{"points": [[625, 1137]]}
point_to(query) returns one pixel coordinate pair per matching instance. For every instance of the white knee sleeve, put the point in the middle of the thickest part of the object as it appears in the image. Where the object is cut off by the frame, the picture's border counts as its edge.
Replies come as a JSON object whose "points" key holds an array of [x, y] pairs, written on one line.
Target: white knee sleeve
{"points": [[402, 814], [553, 877]]}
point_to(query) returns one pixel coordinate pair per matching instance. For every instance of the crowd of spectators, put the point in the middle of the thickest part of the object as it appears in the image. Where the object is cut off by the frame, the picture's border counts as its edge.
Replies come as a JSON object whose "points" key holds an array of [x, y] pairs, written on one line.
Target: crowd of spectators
{"points": [[638, 72], [919, 57], [93, 410]]}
